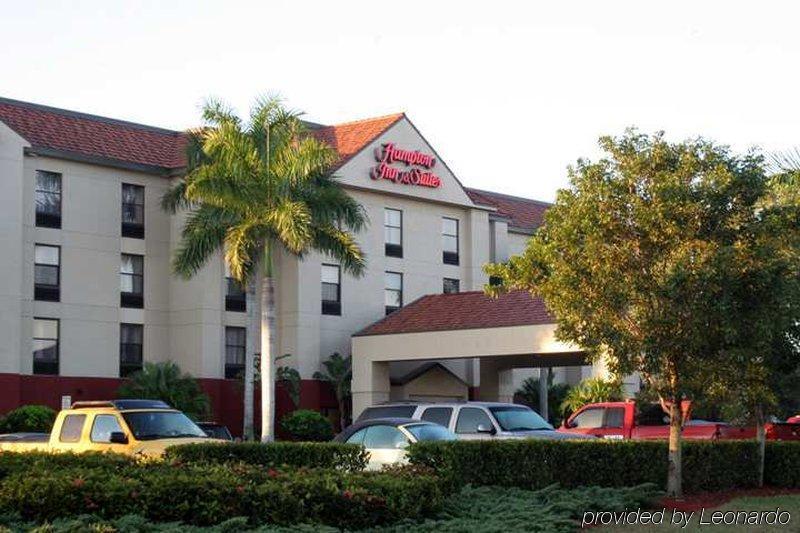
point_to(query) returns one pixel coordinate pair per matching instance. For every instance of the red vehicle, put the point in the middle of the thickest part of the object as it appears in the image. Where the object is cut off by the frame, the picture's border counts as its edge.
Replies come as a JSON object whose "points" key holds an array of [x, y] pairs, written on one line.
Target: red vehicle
{"points": [[627, 420]]}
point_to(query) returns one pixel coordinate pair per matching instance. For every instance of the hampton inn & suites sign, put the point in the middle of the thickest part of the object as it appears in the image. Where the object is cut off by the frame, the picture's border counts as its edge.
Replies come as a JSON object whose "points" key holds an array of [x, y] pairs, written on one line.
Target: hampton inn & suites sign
{"points": [[417, 169]]}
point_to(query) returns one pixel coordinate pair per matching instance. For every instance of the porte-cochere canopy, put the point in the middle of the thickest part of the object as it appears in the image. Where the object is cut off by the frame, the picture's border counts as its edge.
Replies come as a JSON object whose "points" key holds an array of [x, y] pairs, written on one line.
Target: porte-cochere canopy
{"points": [[512, 331]]}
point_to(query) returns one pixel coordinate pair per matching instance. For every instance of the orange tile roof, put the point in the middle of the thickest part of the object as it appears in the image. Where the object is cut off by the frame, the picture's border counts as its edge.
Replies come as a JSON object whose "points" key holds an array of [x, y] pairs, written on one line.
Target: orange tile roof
{"points": [[464, 310], [94, 138], [349, 138]]}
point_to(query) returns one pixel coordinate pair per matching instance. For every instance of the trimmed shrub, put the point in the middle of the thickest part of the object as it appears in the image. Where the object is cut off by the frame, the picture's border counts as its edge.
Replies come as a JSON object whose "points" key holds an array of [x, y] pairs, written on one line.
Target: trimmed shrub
{"points": [[28, 418], [306, 425], [212, 494], [13, 463], [782, 464], [535, 464], [340, 456]]}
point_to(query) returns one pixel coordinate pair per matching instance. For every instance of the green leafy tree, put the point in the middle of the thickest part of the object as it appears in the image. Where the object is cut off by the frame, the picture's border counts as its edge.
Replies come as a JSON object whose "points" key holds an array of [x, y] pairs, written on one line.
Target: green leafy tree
{"points": [[166, 382], [339, 373], [645, 261], [256, 189], [591, 390]]}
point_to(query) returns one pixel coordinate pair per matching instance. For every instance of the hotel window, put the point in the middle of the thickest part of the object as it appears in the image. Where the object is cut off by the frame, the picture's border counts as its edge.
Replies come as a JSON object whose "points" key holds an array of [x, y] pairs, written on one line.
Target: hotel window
{"points": [[235, 346], [450, 286], [46, 273], [235, 296], [132, 281], [45, 346], [48, 199], [393, 292], [450, 241], [393, 232], [331, 290], [131, 340], [132, 211]]}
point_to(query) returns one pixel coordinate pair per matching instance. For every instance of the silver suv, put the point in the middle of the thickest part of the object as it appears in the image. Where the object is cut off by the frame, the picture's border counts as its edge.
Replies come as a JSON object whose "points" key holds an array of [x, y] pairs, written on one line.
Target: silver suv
{"points": [[473, 420]]}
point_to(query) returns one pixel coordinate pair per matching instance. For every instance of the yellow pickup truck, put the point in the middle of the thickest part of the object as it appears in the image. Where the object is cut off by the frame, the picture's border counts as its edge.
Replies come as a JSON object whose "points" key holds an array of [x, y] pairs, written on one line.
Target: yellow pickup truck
{"points": [[132, 427]]}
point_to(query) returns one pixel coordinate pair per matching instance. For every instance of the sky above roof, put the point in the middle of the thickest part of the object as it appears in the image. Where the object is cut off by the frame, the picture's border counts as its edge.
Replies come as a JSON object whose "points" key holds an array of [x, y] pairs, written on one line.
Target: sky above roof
{"points": [[509, 93]]}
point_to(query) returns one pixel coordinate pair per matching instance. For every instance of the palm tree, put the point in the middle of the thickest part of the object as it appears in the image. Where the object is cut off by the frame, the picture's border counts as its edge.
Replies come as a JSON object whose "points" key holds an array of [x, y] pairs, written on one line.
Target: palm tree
{"points": [[255, 189], [339, 373], [166, 382]]}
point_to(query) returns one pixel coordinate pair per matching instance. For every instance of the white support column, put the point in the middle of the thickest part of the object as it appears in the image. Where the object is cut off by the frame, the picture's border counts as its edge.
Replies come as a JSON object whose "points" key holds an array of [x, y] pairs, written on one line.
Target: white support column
{"points": [[370, 383]]}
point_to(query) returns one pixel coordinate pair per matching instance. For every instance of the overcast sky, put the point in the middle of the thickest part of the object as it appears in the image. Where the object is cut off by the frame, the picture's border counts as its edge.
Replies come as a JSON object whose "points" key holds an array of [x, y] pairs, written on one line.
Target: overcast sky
{"points": [[509, 93]]}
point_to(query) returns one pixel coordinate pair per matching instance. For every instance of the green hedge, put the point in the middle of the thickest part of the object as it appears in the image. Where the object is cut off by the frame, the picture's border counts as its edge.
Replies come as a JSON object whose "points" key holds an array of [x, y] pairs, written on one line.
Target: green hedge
{"points": [[782, 464], [348, 457], [534, 464], [12, 462], [211, 494]]}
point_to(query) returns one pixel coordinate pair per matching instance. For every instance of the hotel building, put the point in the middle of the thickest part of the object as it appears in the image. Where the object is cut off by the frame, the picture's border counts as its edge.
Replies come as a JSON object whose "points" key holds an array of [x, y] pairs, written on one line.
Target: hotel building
{"points": [[87, 295]]}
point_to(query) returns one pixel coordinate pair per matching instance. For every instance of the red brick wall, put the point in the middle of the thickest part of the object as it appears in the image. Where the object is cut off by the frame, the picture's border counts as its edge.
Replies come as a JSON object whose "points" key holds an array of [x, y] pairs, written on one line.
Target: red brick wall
{"points": [[226, 395]]}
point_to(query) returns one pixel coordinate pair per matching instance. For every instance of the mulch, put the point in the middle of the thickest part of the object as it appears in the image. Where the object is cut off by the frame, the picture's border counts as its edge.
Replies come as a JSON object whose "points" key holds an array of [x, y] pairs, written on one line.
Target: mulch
{"points": [[708, 500]]}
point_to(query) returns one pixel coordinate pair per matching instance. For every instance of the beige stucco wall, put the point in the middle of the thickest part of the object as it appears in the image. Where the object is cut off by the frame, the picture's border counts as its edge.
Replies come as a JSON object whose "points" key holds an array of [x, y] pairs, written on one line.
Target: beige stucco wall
{"points": [[11, 258], [434, 385]]}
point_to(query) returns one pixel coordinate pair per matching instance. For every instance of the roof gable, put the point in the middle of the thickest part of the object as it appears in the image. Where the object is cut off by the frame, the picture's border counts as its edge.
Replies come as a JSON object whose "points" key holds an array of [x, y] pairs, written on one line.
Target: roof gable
{"points": [[464, 310], [349, 138], [414, 169]]}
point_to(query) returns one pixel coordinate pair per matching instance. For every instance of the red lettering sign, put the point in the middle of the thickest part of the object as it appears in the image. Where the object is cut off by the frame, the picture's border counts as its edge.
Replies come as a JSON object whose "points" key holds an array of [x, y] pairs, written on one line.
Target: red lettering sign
{"points": [[388, 154]]}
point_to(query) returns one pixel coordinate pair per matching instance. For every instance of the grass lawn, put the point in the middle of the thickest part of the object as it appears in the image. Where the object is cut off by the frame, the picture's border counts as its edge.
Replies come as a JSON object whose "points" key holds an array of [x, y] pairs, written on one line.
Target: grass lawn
{"points": [[788, 502]]}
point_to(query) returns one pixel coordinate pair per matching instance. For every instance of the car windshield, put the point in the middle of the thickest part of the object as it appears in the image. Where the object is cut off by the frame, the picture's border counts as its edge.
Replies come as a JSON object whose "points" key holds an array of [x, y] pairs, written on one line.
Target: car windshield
{"points": [[518, 418], [149, 425], [430, 432]]}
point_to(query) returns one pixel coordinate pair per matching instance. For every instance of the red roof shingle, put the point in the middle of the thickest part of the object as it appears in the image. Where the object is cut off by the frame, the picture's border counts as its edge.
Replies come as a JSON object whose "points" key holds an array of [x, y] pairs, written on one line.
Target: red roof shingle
{"points": [[464, 310], [94, 137], [350, 138], [523, 214]]}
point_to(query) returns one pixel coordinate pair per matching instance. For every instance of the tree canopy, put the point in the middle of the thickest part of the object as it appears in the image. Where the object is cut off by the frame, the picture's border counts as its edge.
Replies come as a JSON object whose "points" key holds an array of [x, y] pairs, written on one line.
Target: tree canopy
{"points": [[670, 260]]}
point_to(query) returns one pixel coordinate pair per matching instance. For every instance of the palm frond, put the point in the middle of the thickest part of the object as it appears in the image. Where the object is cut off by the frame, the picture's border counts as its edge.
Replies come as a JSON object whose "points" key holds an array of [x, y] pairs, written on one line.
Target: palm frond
{"points": [[242, 245], [330, 203], [786, 161], [203, 235], [216, 113], [341, 246], [175, 198], [290, 221]]}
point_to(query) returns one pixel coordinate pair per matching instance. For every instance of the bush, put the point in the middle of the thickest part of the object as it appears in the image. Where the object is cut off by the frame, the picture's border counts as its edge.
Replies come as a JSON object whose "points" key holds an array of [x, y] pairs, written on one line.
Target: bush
{"points": [[535, 464], [166, 382], [307, 425], [590, 390], [782, 464], [28, 418], [340, 456], [212, 494], [13, 463]]}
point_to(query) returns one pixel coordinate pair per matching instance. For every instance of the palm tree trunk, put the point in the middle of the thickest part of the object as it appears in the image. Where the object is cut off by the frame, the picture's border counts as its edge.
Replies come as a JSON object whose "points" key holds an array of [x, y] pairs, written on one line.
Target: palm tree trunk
{"points": [[675, 465], [249, 360], [268, 334]]}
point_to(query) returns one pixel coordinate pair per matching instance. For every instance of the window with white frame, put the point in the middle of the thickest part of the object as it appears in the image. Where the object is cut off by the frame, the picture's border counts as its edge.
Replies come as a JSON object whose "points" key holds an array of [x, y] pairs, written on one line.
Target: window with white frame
{"points": [[331, 290], [393, 232], [449, 241], [393, 291]]}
